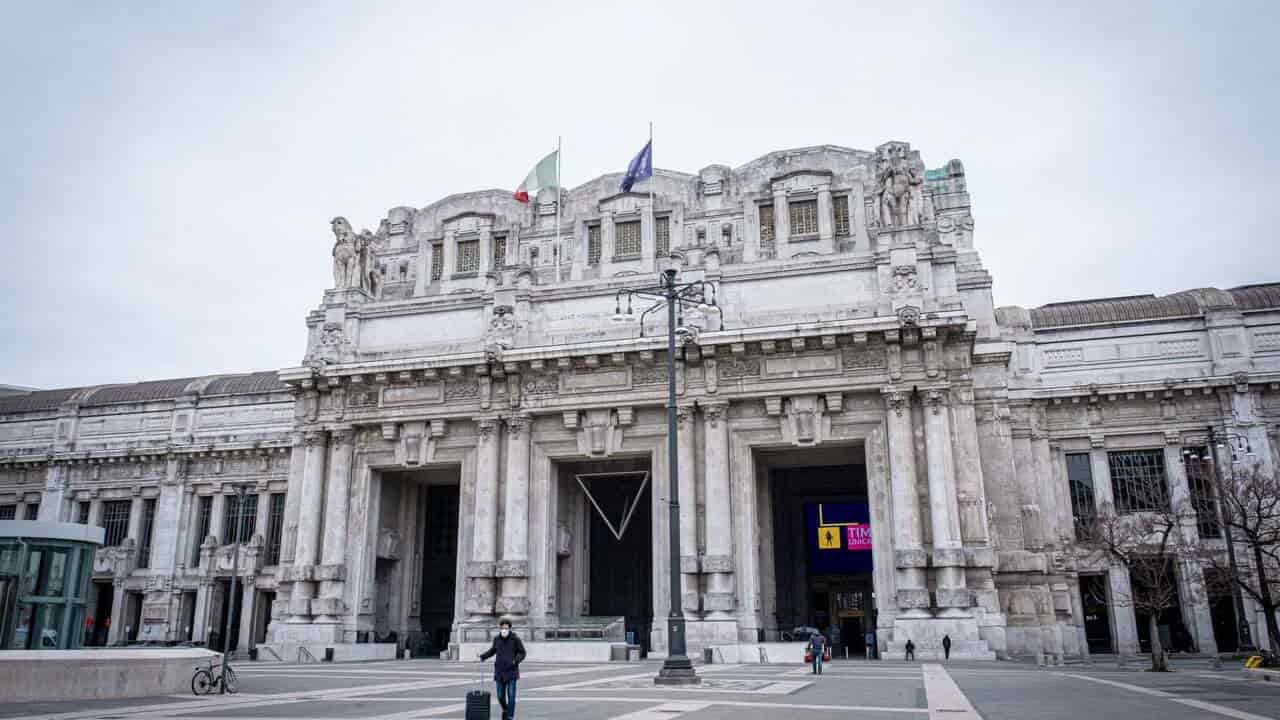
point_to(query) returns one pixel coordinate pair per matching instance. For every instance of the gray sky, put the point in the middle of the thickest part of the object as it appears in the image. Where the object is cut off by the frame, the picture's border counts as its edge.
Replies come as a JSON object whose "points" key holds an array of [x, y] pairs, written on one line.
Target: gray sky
{"points": [[167, 175]]}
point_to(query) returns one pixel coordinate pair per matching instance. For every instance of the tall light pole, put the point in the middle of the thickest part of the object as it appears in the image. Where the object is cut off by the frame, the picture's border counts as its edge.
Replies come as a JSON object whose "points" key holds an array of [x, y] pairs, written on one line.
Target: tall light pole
{"points": [[1245, 637], [240, 489], [677, 668]]}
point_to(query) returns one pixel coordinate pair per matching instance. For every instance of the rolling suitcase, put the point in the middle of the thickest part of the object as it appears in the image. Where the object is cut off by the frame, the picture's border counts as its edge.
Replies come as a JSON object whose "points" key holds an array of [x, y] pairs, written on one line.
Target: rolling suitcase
{"points": [[478, 702]]}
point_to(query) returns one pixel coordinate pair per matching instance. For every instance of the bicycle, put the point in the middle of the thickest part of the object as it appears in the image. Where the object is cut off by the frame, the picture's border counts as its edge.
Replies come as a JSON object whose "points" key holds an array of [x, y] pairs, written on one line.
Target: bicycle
{"points": [[205, 680]]}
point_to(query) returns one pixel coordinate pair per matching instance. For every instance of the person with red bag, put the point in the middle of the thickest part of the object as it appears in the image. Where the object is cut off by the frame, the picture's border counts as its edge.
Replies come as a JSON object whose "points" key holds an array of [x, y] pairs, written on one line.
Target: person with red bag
{"points": [[817, 652]]}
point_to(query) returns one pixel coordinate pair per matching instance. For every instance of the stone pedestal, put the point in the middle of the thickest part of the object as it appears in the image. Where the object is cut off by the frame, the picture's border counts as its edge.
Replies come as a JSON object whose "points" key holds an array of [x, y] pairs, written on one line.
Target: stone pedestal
{"points": [[513, 570], [927, 633], [481, 590], [717, 564]]}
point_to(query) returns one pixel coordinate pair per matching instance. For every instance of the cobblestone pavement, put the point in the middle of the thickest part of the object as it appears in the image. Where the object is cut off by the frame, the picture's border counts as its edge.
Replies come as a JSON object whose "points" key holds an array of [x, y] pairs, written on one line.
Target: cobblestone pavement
{"points": [[855, 690]]}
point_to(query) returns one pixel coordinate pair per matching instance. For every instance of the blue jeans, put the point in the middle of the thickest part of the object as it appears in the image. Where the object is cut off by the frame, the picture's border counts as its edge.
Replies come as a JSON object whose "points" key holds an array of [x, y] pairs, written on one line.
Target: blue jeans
{"points": [[507, 698], [817, 663]]}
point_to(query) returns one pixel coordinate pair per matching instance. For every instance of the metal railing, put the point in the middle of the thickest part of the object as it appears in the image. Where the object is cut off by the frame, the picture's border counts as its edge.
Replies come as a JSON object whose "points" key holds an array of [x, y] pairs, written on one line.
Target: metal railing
{"points": [[305, 656]]}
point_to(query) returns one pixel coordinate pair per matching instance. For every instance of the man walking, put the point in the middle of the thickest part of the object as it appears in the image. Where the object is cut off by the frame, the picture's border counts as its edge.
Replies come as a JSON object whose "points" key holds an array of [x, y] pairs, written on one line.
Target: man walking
{"points": [[946, 647], [506, 668], [871, 644], [817, 647]]}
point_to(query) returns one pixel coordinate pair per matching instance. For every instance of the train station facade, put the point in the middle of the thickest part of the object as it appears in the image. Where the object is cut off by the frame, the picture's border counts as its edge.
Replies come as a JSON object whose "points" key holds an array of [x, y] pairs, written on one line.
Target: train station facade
{"points": [[478, 430]]}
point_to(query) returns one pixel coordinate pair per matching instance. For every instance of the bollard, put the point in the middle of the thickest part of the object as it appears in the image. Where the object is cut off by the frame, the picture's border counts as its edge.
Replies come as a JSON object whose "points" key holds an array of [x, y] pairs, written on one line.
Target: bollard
{"points": [[1039, 659]]}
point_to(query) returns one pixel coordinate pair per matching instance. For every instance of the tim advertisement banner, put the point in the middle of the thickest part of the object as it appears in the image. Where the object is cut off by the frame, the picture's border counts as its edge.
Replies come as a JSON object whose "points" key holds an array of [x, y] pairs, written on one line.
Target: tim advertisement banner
{"points": [[839, 538]]}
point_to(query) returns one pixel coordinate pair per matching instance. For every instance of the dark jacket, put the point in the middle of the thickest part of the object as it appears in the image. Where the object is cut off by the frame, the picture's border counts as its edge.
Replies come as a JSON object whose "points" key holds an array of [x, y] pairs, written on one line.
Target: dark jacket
{"points": [[510, 653]]}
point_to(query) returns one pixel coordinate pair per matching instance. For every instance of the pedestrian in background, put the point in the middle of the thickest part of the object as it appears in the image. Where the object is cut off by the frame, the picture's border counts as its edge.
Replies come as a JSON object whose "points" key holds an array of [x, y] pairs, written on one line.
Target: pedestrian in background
{"points": [[817, 648], [911, 650], [871, 644], [946, 647]]}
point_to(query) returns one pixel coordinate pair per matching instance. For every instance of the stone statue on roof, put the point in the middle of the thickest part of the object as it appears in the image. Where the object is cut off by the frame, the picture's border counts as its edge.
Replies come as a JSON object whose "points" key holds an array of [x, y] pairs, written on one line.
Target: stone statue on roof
{"points": [[346, 255], [899, 186]]}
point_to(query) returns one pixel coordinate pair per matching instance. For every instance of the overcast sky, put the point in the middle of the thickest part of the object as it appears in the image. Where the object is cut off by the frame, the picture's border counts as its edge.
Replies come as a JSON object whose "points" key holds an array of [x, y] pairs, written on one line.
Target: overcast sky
{"points": [[167, 175]]}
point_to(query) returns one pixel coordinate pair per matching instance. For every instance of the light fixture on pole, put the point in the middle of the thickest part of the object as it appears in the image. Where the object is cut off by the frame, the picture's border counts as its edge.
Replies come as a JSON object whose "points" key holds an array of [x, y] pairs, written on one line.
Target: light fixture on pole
{"points": [[677, 668], [241, 489], [1244, 636]]}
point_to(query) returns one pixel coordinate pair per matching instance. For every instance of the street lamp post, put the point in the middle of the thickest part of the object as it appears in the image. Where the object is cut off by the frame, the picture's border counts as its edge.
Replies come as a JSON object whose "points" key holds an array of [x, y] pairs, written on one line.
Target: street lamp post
{"points": [[1245, 637], [240, 489], [677, 669]]}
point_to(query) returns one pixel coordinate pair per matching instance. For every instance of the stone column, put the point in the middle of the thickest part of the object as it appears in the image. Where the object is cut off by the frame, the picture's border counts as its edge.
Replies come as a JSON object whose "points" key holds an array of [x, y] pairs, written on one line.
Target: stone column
{"points": [[307, 548], [909, 556], [486, 251], [332, 569], [1124, 622], [944, 511], [117, 632], [199, 619], [54, 500], [688, 510], [826, 221], [449, 257], [781, 223], [424, 267], [514, 568], [717, 563], [248, 592], [1190, 574], [479, 600]]}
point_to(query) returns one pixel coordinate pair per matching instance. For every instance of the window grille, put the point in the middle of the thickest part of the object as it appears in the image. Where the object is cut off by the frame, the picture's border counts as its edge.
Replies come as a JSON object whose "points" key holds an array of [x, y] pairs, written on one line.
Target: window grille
{"points": [[275, 529], [804, 217], [115, 520], [203, 516], [626, 239], [82, 513], [766, 226], [1138, 480], [840, 207], [1199, 467], [146, 531], [8, 512], [593, 245], [33, 511], [468, 260], [1080, 479], [499, 251], [248, 513], [437, 261], [662, 237]]}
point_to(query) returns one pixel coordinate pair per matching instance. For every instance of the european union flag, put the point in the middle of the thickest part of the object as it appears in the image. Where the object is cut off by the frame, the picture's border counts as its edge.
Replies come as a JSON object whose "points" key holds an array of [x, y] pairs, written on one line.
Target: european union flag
{"points": [[641, 167]]}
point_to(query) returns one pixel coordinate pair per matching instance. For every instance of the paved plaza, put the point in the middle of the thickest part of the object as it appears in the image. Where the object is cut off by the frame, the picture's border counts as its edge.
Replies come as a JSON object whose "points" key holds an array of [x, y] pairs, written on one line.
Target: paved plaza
{"points": [[847, 691]]}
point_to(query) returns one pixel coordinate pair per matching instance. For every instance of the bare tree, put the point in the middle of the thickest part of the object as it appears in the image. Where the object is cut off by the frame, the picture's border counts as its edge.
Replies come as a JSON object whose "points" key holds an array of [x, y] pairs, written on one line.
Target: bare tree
{"points": [[1251, 511], [1145, 537]]}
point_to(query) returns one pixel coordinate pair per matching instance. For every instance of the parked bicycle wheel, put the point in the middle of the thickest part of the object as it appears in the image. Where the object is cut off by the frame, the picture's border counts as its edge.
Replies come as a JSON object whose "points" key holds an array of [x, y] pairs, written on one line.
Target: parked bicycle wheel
{"points": [[201, 682], [232, 686]]}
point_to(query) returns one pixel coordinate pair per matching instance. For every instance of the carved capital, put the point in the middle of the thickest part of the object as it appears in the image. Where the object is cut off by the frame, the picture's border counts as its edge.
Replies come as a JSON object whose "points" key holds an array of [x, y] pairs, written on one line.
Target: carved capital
{"points": [[717, 563], [315, 437], [485, 428], [714, 412], [895, 400], [937, 399], [511, 569], [343, 435], [517, 424], [684, 415]]}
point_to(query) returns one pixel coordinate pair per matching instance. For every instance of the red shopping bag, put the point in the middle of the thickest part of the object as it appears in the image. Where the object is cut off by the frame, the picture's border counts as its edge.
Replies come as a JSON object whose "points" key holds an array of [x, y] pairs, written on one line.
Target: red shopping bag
{"points": [[808, 656]]}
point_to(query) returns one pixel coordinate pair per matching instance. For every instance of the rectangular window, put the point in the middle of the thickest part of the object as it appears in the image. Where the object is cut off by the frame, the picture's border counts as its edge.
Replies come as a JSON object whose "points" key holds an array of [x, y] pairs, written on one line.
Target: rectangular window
{"points": [[840, 207], [146, 531], [1199, 467], [33, 511], [626, 241], [275, 529], [204, 512], [246, 509], [468, 259], [766, 226], [437, 261], [662, 237], [115, 520], [1138, 480], [804, 217], [499, 251], [1080, 479], [8, 512], [82, 513], [593, 245]]}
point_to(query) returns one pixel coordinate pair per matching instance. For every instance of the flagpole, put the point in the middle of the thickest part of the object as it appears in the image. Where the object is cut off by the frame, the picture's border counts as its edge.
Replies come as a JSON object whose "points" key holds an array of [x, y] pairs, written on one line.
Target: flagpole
{"points": [[559, 247], [653, 211]]}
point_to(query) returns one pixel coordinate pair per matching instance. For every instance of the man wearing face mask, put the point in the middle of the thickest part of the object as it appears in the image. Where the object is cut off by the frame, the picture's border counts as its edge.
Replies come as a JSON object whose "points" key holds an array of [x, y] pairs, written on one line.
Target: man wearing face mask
{"points": [[506, 668]]}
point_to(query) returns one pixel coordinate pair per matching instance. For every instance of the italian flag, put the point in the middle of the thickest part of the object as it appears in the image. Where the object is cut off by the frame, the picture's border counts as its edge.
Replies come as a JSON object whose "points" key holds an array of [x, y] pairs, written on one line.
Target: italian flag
{"points": [[542, 175]]}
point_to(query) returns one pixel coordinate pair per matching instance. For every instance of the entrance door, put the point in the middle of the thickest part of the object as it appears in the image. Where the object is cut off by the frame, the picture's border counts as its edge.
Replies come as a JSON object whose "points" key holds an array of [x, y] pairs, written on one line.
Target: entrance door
{"points": [[1097, 623], [230, 611], [97, 632], [439, 568], [621, 571]]}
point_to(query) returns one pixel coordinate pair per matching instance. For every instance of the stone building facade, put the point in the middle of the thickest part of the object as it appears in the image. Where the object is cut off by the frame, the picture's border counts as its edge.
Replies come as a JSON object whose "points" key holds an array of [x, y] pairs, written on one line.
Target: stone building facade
{"points": [[478, 429]]}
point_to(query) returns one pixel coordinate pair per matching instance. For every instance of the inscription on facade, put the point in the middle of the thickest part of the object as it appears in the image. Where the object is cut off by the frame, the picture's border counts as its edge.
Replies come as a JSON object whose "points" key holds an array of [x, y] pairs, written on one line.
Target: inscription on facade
{"points": [[578, 382], [802, 366], [429, 393]]}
